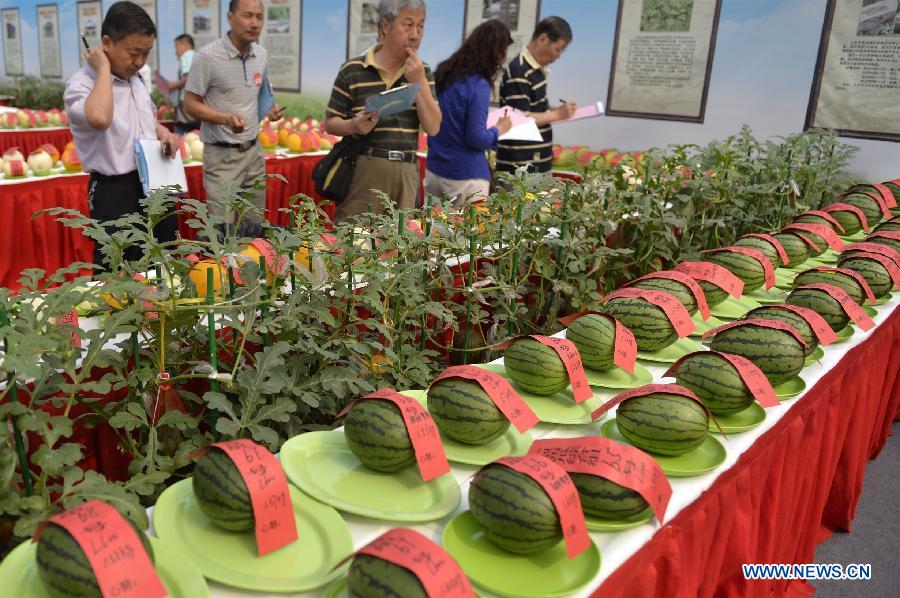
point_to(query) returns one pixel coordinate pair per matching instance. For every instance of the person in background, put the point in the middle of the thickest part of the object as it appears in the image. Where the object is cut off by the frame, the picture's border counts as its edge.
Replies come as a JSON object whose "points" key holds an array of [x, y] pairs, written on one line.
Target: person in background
{"points": [[222, 92], [524, 87], [457, 167], [388, 161], [184, 50], [109, 108], [146, 76]]}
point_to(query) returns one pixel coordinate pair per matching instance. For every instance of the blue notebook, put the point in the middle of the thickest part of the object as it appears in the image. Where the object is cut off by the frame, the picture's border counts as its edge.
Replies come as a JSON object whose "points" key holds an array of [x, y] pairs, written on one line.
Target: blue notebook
{"points": [[392, 101], [266, 97]]}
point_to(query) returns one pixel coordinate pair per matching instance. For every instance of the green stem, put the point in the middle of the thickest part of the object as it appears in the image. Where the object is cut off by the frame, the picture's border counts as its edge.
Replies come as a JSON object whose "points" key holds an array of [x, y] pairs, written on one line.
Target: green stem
{"points": [[514, 271], [265, 307], [213, 352], [471, 223]]}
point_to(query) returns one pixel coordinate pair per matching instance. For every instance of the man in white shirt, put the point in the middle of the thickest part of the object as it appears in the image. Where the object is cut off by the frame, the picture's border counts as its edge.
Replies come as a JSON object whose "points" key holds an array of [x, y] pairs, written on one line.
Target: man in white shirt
{"points": [[184, 50]]}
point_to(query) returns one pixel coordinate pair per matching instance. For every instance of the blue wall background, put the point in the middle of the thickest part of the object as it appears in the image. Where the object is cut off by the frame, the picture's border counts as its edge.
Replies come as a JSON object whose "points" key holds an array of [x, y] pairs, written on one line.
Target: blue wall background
{"points": [[762, 71]]}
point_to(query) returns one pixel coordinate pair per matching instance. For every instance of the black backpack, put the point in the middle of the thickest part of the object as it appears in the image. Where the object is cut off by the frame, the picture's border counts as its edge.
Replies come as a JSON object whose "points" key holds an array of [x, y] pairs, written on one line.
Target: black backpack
{"points": [[333, 173]]}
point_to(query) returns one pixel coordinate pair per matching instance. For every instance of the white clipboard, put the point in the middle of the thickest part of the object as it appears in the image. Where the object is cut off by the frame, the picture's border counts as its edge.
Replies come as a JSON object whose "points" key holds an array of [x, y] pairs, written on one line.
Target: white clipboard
{"points": [[155, 168]]}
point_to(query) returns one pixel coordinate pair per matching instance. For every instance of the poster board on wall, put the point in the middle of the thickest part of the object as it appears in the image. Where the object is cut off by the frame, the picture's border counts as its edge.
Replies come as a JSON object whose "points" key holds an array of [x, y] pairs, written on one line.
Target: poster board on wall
{"points": [[281, 38], [48, 40], [89, 17], [662, 59], [856, 86], [12, 41], [362, 26], [202, 21], [521, 16], [150, 7]]}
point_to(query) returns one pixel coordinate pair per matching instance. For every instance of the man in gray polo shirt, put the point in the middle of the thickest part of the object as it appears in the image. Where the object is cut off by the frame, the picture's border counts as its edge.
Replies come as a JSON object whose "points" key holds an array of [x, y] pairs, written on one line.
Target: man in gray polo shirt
{"points": [[222, 91]]}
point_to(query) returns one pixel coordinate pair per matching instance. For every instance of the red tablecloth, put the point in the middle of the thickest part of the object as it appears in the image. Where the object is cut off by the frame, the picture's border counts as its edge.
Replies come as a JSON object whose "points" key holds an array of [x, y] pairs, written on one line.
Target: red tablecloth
{"points": [[29, 139], [799, 482]]}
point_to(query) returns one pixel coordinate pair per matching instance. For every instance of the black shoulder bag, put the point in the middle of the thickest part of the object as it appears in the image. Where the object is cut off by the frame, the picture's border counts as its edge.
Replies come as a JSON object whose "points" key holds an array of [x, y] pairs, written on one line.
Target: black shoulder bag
{"points": [[333, 173]]}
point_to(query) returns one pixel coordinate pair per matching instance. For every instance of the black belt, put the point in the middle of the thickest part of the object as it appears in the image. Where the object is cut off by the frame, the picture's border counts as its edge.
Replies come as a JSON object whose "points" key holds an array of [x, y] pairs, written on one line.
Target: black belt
{"points": [[115, 177], [238, 146], [393, 155]]}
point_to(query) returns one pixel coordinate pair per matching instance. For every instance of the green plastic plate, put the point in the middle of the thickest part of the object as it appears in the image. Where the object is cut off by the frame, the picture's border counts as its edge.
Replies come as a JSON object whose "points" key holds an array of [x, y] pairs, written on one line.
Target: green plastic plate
{"points": [[547, 574], [232, 559], [673, 352], [828, 258], [815, 356], [704, 326], [732, 309], [619, 379], [595, 524], [784, 278], [323, 466], [857, 236], [19, 576], [790, 388], [510, 443], [773, 295], [559, 408], [705, 458], [742, 421]]}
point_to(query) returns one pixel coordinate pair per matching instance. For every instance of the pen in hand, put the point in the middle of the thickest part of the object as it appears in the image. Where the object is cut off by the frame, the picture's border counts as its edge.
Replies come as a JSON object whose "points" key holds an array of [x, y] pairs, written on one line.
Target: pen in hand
{"points": [[84, 41]]}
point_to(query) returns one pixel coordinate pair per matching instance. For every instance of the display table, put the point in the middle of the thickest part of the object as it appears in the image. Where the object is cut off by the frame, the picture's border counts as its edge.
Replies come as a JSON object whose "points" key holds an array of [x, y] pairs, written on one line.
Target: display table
{"points": [[782, 488], [31, 139]]}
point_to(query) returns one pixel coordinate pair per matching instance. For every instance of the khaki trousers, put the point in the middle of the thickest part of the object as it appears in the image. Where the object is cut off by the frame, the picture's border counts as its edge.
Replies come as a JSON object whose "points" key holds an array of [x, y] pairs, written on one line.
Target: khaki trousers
{"points": [[400, 180], [460, 191], [221, 165]]}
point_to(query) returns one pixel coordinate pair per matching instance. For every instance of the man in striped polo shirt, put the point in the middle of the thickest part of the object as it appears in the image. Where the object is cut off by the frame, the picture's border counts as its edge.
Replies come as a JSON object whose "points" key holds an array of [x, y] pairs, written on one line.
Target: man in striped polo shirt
{"points": [[388, 161], [524, 87]]}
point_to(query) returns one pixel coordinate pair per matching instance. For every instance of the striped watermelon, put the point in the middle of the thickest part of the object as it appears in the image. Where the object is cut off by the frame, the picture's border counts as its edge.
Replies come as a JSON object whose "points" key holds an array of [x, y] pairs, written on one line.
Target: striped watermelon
{"points": [[595, 338], [715, 380], [534, 367], [776, 352], [678, 290], [796, 248], [221, 492], [821, 243], [376, 433], [663, 423], [514, 511], [848, 220], [743, 266], [816, 219], [895, 189], [839, 279], [762, 245], [372, 577], [876, 275], [892, 243], [892, 224], [714, 293], [651, 328], [868, 204], [63, 566], [605, 499], [822, 303], [773, 312], [464, 411]]}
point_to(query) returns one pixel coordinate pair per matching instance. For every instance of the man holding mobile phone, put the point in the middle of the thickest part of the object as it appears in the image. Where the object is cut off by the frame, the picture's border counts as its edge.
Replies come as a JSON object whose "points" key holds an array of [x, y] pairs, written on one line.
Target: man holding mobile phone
{"points": [[109, 108]]}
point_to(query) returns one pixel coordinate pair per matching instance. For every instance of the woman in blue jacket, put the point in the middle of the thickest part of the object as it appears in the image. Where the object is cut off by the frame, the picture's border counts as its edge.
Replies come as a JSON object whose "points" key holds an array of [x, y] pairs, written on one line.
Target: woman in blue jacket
{"points": [[457, 167]]}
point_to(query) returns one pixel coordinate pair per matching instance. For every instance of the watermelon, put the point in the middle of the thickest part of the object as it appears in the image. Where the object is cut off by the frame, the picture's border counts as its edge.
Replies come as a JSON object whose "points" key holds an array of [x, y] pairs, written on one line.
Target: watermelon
{"points": [[677, 289], [745, 267], [762, 245], [816, 219], [514, 511], [774, 312], [605, 499], [714, 293], [376, 433], [221, 492], [64, 568], [822, 303], [895, 189], [892, 243], [876, 275], [535, 367], [715, 380], [464, 411], [372, 577], [776, 352], [839, 279], [595, 337], [819, 242], [651, 327], [663, 423], [848, 220], [892, 224], [868, 204], [796, 248]]}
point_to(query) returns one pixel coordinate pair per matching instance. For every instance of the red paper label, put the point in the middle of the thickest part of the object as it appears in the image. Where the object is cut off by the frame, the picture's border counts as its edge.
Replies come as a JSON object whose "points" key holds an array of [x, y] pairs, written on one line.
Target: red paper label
{"points": [[622, 464], [886, 195], [114, 550], [820, 327], [806, 240], [562, 492], [757, 383], [672, 307], [572, 360], [423, 432], [885, 211], [845, 207], [884, 250], [501, 393], [686, 280], [856, 313], [826, 216], [885, 261], [436, 570], [887, 234], [756, 254], [71, 319], [779, 248], [773, 324], [278, 264], [273, 511], [647, 389], [714, 274], [826, 232], [852, 273], [625, 347]]}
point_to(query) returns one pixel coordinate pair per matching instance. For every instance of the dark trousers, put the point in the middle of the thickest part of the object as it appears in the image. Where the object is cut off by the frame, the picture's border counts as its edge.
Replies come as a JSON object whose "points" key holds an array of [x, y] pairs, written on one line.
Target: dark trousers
{"points": [[110, 198]]}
